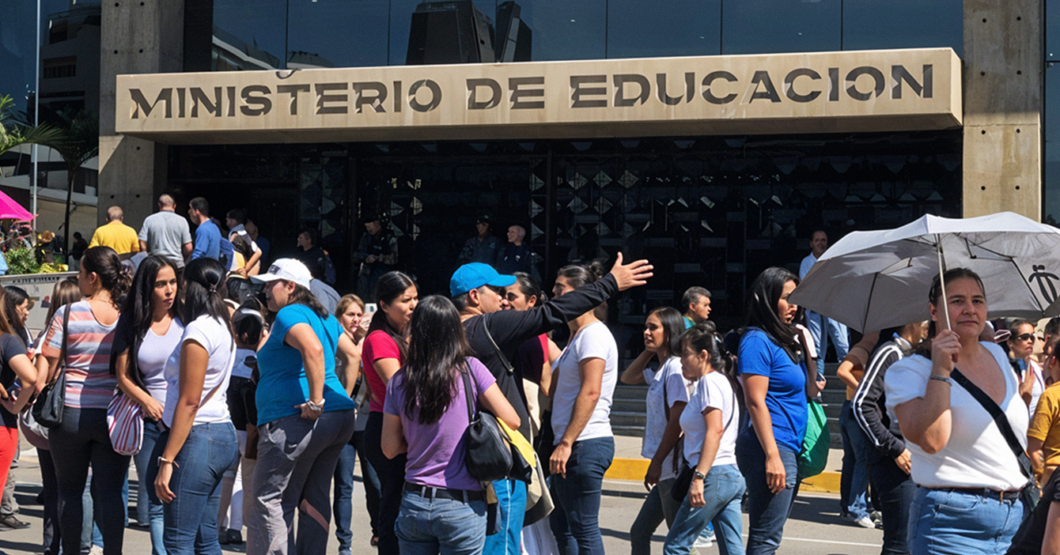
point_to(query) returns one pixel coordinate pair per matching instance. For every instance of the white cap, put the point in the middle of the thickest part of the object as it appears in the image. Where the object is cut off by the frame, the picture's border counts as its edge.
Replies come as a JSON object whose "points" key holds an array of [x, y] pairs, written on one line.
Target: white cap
{"points": [[288, 269]]}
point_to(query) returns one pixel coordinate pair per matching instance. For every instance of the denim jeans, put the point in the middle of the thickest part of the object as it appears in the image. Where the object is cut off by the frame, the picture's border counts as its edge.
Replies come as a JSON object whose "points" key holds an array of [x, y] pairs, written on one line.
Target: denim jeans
{"points": [[191, 518], [343, 496], [149, 512], [370, 481], [723, 489], [90, 521], [837, 331], [51, 534], [80, 441], [296, 463], [576, 518], [391, 474], [952, 523], [660, 505], [767, 512], [854, 480], [511, 506], [896, 490], [431, 526]]}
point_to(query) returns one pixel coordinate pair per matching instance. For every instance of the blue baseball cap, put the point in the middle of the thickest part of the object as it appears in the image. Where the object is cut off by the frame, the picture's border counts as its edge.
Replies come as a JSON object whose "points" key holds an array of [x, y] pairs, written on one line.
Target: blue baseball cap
{"points": [[475, 275]]}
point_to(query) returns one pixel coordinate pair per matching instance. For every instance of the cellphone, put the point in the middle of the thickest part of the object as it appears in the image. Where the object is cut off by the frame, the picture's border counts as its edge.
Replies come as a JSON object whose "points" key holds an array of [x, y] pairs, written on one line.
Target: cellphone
{"points": [[370, 308]]}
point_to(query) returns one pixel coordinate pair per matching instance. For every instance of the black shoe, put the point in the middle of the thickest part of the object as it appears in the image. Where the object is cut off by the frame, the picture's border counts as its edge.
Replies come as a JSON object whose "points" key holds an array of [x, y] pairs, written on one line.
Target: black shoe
{"points": [[12, 523], [230, 537]]}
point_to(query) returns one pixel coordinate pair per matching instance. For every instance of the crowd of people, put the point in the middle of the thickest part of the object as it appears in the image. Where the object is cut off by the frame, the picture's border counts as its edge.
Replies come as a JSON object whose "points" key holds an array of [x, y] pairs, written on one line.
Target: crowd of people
{"points": [[259, 391]]}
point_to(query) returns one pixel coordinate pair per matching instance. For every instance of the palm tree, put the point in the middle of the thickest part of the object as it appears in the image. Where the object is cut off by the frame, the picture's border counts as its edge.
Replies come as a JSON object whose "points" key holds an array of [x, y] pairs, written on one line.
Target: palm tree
{"points": [[80, 143], [14, 133]]}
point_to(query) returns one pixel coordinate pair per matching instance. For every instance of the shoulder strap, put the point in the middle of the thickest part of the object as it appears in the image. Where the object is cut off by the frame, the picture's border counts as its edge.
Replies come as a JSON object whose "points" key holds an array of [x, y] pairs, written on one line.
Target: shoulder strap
{"points": [[504, 360], [999, 418], [66, 332], [465, 375]]}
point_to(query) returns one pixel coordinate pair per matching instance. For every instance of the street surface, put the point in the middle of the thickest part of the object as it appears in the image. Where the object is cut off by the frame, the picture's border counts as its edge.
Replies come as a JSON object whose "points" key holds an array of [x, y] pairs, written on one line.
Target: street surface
{"points": [[814, 527]]}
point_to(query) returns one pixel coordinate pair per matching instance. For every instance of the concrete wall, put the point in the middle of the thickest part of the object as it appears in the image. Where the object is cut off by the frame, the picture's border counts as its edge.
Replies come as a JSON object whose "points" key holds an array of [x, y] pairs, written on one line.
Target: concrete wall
{"points": [[138, 37], [1003, 79]]}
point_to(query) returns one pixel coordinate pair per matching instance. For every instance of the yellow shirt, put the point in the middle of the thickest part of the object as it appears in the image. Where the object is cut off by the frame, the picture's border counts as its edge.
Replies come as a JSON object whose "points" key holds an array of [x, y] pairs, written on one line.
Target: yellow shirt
{"points": [[1045, 425], [117, 236]]}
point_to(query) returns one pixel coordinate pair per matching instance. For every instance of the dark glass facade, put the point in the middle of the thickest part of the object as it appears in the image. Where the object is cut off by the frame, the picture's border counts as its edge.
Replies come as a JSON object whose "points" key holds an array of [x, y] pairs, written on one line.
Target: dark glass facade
{"points": [[1051, 115], [281, 34]]}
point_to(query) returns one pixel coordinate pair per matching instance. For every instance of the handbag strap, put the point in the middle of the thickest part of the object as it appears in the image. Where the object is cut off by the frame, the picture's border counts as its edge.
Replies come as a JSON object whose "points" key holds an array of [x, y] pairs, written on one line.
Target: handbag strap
{"points": [[500, 354], [999, 418], [66, 333], [467, 393]]}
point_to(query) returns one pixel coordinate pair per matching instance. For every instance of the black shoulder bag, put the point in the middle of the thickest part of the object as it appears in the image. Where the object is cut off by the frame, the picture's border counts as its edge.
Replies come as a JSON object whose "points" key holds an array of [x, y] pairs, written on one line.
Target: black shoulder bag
{"points": [[487, 454], [1030, 494], [48, 408]]}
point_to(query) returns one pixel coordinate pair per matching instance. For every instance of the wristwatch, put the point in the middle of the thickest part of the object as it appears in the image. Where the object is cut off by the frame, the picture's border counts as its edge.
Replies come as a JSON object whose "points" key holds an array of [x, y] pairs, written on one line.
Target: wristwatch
{"points": [[697, 475]]}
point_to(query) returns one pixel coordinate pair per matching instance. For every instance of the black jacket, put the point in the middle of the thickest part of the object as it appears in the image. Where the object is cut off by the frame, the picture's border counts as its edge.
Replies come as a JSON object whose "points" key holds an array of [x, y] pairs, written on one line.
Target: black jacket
{"points": [[510, 328], [870, 404]]}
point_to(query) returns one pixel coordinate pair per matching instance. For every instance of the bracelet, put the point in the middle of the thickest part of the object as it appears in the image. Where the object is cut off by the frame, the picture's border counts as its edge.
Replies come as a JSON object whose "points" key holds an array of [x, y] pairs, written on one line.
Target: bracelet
{"points": [[315, 407], [940, 378], [163, 460]]}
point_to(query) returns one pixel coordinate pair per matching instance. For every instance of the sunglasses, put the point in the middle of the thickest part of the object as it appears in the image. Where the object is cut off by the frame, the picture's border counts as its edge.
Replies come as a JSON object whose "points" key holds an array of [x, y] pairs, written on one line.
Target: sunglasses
{"points": [[1024, 336]]}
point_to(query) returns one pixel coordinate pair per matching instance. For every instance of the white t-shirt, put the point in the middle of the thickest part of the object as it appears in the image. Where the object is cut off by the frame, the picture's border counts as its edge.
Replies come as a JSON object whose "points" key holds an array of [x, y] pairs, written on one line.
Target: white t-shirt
{"points": [[711, 391], [215, 337], [151, 359], [677, 389], [240, 368], [592, 341], [977, 455]]}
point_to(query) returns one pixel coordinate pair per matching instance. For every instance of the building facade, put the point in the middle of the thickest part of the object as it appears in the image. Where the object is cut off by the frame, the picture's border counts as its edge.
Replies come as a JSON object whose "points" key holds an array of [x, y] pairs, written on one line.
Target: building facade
{"points": [[711, 135]]}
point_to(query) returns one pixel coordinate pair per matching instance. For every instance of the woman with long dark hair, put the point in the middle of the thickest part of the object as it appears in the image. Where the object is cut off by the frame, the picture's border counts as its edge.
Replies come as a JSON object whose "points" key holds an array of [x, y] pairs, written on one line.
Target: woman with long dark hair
{"points": [[668, 392], [17, 306], [382, 354], [710, 422], [199, 442], [584, 444], [300, 401], [148, 334], [14, 364], [82, 439], [776, 386], [443, 509], [968, 478]]}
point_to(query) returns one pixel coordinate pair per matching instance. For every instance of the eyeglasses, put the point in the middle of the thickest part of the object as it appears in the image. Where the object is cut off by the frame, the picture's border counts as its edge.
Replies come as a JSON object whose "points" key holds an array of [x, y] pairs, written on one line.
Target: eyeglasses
{"points": [[1024, 336]]}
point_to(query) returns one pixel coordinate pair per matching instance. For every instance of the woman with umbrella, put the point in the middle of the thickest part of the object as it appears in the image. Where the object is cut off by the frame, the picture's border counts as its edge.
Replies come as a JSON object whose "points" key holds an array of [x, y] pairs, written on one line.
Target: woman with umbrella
{"points": [[968, 478]]}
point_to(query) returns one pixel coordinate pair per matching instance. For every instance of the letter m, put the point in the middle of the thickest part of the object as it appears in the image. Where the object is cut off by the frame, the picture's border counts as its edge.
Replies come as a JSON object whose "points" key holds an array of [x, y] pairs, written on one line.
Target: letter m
{"points": [[140, 102], [899, 74]]}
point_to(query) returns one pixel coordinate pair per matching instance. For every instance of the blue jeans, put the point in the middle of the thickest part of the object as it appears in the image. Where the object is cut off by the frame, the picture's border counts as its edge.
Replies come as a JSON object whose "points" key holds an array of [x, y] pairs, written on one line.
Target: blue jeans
{"points": [[431, 526], [951, 523], [370, 481], [191, 518], [343, 496], [511, 506], [575, 521], [722, 491], [148, 511], [660, 505], [854, 480], [896, 490], [838, 332], [767, 512]]}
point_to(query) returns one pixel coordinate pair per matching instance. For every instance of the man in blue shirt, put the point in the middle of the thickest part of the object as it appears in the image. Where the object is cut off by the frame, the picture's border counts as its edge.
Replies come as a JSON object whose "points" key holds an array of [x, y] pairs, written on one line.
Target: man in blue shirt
{"points": [[207, 235]]}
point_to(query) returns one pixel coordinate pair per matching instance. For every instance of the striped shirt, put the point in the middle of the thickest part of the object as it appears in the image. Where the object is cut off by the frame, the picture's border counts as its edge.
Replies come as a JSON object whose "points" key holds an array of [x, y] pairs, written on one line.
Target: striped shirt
{"points": [[89, 384]]}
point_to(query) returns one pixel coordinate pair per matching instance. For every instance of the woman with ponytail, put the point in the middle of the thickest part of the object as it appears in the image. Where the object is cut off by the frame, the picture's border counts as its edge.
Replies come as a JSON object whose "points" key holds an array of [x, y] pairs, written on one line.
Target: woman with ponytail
{"points": [[199, 442], [443, 509], [710, 421], [82, 438]]}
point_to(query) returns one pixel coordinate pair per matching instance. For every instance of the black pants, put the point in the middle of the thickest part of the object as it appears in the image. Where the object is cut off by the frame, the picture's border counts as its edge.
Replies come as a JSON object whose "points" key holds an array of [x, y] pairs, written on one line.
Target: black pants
{"points": [[391, 474], [896, 490], [50, 490]]}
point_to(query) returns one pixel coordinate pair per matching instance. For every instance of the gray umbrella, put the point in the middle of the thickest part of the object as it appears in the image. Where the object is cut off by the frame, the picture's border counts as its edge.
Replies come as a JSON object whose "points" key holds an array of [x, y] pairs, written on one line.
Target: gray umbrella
{"points": [[871, 280]]}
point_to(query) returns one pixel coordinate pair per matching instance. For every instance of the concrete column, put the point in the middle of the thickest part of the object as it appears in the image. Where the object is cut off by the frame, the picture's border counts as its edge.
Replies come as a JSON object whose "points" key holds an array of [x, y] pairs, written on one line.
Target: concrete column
{"points": [[138, 36], [1003, 81]]}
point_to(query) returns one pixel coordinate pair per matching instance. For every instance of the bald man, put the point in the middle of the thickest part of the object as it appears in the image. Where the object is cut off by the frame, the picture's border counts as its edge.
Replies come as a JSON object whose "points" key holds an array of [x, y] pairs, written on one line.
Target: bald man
{"points": [[115, 234], [516, 255], [166, 233]]}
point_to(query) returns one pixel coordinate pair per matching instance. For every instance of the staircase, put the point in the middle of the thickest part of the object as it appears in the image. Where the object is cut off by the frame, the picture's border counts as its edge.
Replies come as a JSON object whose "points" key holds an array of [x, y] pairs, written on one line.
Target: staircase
{"points": [[628, 407]]}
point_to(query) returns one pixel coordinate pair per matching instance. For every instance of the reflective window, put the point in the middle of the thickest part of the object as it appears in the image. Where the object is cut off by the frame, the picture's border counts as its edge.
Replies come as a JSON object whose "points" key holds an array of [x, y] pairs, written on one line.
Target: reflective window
{"points": [[17, 52], [770, 26], [1052, 29], [248, 35], [1051, 179], [875, 24], [566, 29], [443, 32], [337, 33], [669, 28]]}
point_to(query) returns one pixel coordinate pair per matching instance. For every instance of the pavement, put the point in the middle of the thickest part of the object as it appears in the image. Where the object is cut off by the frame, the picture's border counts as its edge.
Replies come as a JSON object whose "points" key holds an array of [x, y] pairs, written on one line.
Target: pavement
{"points": [[814, 526]]}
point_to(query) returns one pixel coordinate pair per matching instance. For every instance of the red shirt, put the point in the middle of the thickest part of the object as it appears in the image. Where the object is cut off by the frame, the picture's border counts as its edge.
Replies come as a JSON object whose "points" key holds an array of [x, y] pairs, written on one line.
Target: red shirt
{"points": [[377, 346]]}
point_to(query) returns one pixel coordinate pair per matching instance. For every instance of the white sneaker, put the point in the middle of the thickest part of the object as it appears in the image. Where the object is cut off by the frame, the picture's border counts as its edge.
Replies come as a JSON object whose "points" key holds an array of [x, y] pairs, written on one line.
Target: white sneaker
{"points": [[704, 542], [865, 522]]}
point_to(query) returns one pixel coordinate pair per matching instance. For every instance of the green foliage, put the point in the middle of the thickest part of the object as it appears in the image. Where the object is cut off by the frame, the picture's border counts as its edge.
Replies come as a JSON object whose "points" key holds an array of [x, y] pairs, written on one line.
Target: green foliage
{"points": [[21, 261], [14, 133]]}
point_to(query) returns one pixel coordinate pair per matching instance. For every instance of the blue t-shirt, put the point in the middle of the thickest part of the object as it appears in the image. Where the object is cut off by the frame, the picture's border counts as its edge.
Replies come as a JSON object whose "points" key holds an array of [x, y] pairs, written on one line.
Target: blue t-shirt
{"points": [[207, 241], [283, 384], [786, 396]]}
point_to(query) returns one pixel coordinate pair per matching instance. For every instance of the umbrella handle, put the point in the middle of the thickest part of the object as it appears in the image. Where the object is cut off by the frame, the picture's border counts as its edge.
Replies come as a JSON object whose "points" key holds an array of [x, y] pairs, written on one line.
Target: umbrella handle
{"points": [[942, 280]]}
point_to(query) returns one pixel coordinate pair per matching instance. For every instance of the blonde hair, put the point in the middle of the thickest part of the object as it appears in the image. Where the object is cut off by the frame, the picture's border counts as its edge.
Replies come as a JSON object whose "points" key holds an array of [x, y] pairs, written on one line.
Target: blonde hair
{"points": [[345, 302]]}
